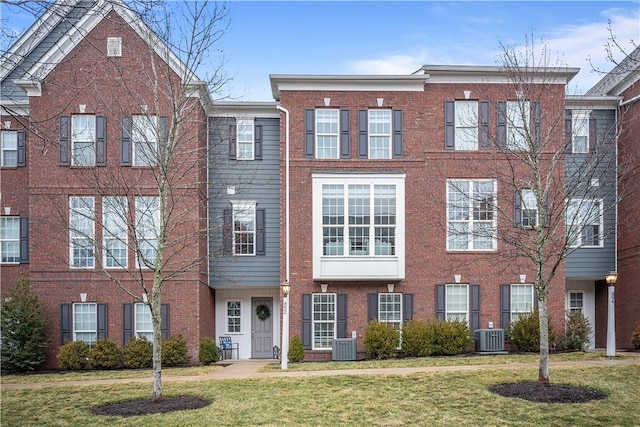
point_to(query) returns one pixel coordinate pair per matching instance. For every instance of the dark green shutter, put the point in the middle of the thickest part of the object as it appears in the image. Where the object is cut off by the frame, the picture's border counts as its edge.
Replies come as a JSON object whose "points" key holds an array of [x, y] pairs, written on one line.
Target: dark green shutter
{"points": [[307, 314], [449, 125], [65, 141], [126, 124], [341, 316]]}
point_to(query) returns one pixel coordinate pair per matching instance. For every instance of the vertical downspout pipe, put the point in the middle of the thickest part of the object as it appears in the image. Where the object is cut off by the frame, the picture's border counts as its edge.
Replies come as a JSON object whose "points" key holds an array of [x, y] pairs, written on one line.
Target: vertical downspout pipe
{"points": [[285, 317]]}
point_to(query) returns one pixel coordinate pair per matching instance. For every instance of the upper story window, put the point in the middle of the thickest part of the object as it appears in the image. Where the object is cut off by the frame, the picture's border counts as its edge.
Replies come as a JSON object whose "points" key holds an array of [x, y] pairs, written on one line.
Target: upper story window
{"points": [[244, 228], [379, 134], [245, 140], [585, 223], [471, 215], [115, 214], [580, 131], [10, 239], [457, 303], [529, 209], [518, 116], [521, 300], [147, 230], [82, 231], [327, 133], [466, 125], [144, 137], [13, 148], [83, 140]]}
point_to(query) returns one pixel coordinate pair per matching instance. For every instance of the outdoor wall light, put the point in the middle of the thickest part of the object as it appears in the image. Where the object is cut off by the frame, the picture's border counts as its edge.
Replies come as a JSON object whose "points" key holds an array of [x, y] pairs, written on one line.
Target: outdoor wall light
{"points": [[286, 287], [611, 278]]}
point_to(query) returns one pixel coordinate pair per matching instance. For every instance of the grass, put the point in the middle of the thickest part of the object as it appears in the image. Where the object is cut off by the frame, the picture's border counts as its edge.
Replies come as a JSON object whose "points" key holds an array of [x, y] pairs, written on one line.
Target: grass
{"points": [[434, 399]]}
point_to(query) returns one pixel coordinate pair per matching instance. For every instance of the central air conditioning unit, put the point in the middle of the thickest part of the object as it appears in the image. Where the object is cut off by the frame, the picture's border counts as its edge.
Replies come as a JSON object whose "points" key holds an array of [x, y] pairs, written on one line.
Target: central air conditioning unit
{"points": [[344, 349], [488, 340]]}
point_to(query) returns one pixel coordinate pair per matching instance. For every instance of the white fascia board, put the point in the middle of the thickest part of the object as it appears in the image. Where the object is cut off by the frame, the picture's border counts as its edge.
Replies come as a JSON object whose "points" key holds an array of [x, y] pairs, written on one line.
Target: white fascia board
{"points": [[241, 110], [349, 83], [495, 74], [594, 102], [9, 108]]}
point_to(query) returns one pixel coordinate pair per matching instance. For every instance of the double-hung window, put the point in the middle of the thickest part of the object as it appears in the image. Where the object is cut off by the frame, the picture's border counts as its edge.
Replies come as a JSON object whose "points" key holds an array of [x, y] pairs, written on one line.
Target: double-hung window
{"points": [[584, 223], [324, 320], [457, 303], [521, 300], [143, 322], [327, 133], [114, 211], [85, 322], [147, 229], [580, 131], [518, 119], [244, 228], [82, 231], [379, 134], [234, 317], [10, 239], [529, 208], [9, 150], [576, 302], [83, 140], [144, 135], [244, 140], [390, 309], [471, 215], [466, 125]]}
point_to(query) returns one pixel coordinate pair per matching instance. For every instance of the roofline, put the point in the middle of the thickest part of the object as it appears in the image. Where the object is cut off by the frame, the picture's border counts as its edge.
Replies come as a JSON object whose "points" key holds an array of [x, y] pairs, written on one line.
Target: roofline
{"points": [[592, 102], [457, 72], [243, 109]]}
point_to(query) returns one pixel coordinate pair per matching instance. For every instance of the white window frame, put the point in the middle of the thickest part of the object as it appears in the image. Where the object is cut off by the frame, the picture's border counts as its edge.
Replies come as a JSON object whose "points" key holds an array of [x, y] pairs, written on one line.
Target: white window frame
{"points": [[580, 131], [115, 234], [529, 205], [10, 240], [245, 139], [83, 131], [236, 317], [463, 211], [457, 302], [327, 133], [147, 230], [246, 210], [466, 125], [521, 300], [323, 340], [90, 316], [142, 317], [390, 309], [9, 144], [82, 208], [518, 119], [114, 46], [577, 221], [573, 300], [380, 128], [145, 134]]}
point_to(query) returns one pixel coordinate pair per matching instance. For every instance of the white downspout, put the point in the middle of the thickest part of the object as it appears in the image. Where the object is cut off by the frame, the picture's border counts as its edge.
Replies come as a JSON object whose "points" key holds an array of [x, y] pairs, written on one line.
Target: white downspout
{"points": [[285, 301]]}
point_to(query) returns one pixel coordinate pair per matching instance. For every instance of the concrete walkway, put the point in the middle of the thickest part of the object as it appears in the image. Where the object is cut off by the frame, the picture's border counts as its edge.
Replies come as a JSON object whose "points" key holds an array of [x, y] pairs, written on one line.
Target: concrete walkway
{"points": [[243, 369]]}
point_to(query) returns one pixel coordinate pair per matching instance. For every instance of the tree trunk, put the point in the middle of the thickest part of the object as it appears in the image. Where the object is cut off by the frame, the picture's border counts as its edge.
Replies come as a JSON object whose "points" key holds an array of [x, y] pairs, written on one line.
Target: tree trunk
{"points": [[157, 347], [543, 371]]}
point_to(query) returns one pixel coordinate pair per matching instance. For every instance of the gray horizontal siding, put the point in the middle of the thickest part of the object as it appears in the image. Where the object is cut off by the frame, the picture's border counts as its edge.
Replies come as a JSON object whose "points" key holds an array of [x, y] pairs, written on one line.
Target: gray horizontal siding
{"points": [[254, 180], [591, 263]]}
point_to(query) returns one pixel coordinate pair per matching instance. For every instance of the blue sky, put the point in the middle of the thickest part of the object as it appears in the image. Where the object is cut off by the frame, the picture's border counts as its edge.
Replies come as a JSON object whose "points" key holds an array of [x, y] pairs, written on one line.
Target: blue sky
{"points": [[393, 37]]}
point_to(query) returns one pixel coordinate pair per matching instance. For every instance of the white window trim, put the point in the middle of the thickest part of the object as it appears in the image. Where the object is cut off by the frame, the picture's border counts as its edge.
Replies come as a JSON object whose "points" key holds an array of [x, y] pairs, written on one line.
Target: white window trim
{"points": [[138, 227], [242, 206], [226, 316], [319, 134], [77, 331], [514, 314], [152, 144], [314, 322], [73, 140], [108, 235], [387, 135], [446, 301], [522, 105], [3, 148], [471, 220], [114, 46], [90, 238], [580, 128], [12, 240], [395, 294], [524, 208], [463, 126], [577, 243], [570, 307], [245, 122], [135, 321]]}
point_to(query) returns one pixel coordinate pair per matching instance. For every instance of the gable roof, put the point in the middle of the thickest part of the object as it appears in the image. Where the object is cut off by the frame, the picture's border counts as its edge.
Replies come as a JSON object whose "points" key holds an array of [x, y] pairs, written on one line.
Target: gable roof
{"points": [[620, 78]]}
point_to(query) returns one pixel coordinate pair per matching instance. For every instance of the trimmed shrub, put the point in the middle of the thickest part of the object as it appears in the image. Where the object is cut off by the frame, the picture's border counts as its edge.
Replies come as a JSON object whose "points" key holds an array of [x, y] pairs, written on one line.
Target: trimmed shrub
{"points": [[208, 352], [380, 340], [74, 355], [451, 338], [105, 354], [296, 349], [22, 323], [577, 331], [635, 340], [174, 351], [138, 353], [418, 338], [525, 332]]}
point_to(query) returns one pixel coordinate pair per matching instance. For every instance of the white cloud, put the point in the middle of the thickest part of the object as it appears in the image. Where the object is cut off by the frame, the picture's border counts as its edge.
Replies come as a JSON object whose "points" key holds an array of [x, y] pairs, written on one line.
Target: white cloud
{"points": [[390, 65]]}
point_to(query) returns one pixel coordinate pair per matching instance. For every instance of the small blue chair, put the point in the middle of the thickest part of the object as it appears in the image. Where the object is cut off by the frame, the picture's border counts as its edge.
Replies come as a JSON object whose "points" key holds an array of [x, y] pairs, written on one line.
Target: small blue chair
{"points": [[227, 345]]}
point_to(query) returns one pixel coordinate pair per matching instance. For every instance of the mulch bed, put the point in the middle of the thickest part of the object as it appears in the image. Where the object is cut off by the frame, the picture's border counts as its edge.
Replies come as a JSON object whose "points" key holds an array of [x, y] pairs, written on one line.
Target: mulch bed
{"points": [[554, 393], [132, 408]]}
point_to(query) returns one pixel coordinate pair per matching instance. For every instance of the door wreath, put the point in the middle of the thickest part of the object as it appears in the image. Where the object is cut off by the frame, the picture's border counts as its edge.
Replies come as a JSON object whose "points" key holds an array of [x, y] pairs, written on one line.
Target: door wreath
{"points": [[263, 312]]}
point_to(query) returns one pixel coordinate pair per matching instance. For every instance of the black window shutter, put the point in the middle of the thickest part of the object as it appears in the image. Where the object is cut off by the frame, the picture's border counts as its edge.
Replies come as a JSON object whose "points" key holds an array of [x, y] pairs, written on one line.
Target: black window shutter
{"points": [[127, 323], [483, 136], [306, 321], [505, 306], [310, 133], [345, 135], [568, 132], [24, 240], [341, 316], [372, 306], [474, 303], [101, 141], [22, 149], [260, 232], [536, 117], [65, 141], [363, 134], [517, 207], [440, 302], [397, 134], [547, 217], [65, 324], [232, 141], [593, 139], [502, 123], [257, 143], [164, 133], [407, 307], [227, 231], [164, 323], [449, 125], [125, 141], [102, 321]]}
